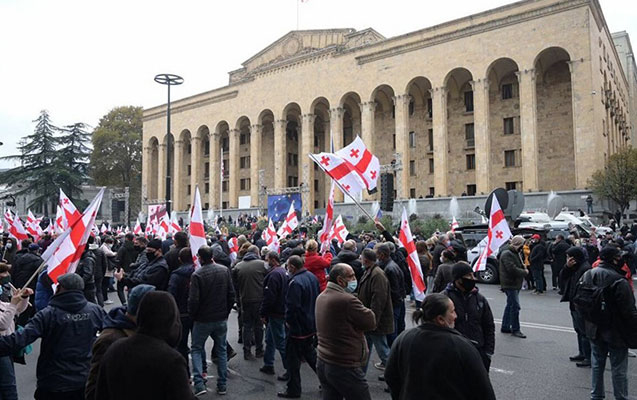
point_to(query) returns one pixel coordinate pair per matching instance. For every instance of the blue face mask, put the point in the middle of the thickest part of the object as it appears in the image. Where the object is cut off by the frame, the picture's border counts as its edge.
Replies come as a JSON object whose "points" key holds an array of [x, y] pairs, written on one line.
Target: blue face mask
{"points": [[351, 286]]}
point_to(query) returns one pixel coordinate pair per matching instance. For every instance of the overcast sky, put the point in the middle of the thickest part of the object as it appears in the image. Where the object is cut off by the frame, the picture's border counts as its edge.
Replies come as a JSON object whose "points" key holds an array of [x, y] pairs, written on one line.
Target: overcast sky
{"points": [[80, 58]]}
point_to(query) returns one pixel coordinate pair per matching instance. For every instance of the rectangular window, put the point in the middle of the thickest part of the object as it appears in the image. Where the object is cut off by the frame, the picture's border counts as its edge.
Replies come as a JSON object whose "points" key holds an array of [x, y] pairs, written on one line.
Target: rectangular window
{"points": [[412, 193], [431, 165], [432, 191], [207, 187], [508, 126], [411, 107], [224, 204], [188, 192], [316, 141], [507, 91], [430, 138], [295, 158], [189, 148], [206, 147], [206, 206], [471, 190], [471, 161], [468, 101], [245, 184], [412, 168], [509, 158], [412, 139], [293, 181], [511, 185], [393, 138], [189, 170], [206, 171], [224, 186], [226, 171], [225, 144], [316, 185], [429, 108], [469, 135], [242, 139], [244, 162]]}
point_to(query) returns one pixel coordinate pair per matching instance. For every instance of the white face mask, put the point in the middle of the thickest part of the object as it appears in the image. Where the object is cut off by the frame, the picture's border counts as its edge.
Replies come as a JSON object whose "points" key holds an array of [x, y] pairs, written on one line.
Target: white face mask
{"points": [[442, 260]]}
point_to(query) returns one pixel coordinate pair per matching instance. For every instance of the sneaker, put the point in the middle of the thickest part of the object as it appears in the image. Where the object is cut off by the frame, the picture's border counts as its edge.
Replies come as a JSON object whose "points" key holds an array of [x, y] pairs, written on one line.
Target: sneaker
{"points": [[200, 390], [248, 356], [108, 302], [631, 354], [267, 369], [583, 364], [221, 390], [231, 354], [505, 331], [519, 334], [578, 357], [283, 378], [259, 353], [380, 366]]}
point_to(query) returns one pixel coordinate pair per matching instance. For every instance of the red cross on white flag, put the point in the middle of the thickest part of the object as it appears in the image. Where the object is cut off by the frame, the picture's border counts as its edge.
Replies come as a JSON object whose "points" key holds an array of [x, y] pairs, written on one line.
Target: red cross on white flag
{"points": [[290, 223], [323, 234], [407, 241], [339, 231], [70, 212], [271, 238], [137, 230], [364, 162], [498, 234], [454, 224], [196, 228]]}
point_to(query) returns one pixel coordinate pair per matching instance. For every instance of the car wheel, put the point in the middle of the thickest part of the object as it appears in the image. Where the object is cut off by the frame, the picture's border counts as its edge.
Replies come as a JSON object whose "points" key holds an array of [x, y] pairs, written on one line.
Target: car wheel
{"points": [[489, 275]]}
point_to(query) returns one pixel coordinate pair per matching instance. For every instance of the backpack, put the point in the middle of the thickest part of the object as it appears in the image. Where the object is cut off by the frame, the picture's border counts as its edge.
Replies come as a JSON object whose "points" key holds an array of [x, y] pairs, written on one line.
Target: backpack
{"points": [[593, 302]]}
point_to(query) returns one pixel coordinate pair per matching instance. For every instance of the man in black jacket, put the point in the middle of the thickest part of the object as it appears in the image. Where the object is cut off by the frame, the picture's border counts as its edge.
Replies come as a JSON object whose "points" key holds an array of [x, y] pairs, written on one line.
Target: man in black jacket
{"points": [[614, 336], [126, 255], [155, 272], [24, 266], [68, 328], [348, 256], [397, 286], [210, 301], [558, 254], [474, 316], [172, 256], [536, 258], [576, 266]]}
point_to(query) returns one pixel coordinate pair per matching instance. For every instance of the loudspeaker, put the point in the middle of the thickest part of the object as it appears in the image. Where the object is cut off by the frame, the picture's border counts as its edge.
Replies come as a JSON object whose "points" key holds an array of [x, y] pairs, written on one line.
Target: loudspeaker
{"points": [[387, 192]]}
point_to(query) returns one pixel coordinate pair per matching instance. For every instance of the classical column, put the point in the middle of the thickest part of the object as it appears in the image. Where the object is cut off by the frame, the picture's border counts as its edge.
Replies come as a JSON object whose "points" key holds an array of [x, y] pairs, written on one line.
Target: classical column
{"points": [[336, 135], [528, 130], [161, 172], [481, 135], [280, 154], [255, 163], [195, 166], [441, 151], [306, 162], [147, 162], [233, 159], [178, 177], [401, 107], [215, 171], [367, 128]]}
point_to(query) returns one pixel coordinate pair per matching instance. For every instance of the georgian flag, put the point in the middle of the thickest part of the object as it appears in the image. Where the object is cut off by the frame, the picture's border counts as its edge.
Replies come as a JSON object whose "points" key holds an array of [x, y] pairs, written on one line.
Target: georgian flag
{"points": [[338, 231], [454, 224], [149, 229], [71, 213], [103, 228], [60, 220], [233, 246], [498, 234], [290, 223], [163, 228], [367, 164], [174, 224], [16, 229], [341, 171], [33, 226], [197, 233], [324, 233], [137, 230], [407, 241], [271, 238]]}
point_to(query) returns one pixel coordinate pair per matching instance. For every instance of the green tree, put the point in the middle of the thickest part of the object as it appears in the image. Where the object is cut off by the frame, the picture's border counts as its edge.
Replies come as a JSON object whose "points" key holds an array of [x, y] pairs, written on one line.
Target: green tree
{"points": [[117, 152], [617, 180], [38, 172], [73, 158]]}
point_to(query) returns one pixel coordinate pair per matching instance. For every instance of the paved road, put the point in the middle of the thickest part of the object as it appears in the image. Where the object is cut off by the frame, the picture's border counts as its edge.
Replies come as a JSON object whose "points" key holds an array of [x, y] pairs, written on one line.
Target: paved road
{"points": [[532, 368]]}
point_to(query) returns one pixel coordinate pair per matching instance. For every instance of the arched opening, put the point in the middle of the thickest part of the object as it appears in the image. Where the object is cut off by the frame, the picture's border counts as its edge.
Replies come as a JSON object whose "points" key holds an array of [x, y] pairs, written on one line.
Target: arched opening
{"points": [[420, 138], [351, 117], [182, 187], [555, 119], [293, 145], [321, 110], [168, 156], [504, 125], [384, 124], [244, 183], [152, 189], [222, 131], [266, 120], [460, 132], [201, 153]]}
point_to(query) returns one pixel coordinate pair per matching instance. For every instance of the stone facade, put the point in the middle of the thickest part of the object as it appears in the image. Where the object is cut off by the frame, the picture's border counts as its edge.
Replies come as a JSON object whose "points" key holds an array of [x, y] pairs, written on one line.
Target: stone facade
{"points": [[532, 96]]}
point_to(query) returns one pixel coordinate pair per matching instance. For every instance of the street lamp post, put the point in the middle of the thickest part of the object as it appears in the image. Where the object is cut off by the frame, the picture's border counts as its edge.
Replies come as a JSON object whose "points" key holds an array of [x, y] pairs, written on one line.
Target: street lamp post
{"points": [[168, 80]]}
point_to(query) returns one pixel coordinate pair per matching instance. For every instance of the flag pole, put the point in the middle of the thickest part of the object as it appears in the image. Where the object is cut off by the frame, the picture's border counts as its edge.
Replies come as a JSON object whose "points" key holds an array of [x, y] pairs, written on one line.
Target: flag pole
{"points": [[221, 185], [344, 191]]}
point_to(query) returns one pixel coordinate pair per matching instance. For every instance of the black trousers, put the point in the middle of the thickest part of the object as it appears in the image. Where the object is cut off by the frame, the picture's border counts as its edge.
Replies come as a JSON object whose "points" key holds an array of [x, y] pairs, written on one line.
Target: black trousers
{"points": [[47, 395], [340, 383], [297, 350], [120, 292], [252, 326]]}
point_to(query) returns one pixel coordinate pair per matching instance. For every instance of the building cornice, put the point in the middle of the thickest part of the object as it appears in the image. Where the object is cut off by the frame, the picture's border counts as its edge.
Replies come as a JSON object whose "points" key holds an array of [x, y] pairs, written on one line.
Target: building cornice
{"points": [[185, 104]]}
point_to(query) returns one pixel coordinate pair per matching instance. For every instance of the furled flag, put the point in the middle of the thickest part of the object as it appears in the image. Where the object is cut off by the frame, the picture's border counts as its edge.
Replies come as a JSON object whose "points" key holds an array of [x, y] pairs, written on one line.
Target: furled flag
{"points": [[103, 228], [289, 224], [271, 238], [339, 231], [137, 230], [71, 213], [233, 247], [363, 161], [454, 224], [16, 229], [498, 234], [174, 224], [407, 241], [65, 253], [60, 220], [379, 215], [323, 234], [196, 228]]}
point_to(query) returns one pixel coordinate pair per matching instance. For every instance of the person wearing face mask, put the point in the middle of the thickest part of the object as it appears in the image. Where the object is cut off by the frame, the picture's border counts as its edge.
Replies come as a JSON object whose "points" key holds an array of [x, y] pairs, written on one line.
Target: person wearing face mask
{"points": [[341, 323], [475, 319], [435, 360], [612, 337], [68, 328], [154, 272]]}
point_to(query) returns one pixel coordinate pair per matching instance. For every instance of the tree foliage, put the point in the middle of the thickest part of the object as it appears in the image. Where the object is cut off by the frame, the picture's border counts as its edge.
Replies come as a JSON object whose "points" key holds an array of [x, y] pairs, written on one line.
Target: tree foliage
{"points": [[73, 157], [117, 151], [617, 181]]}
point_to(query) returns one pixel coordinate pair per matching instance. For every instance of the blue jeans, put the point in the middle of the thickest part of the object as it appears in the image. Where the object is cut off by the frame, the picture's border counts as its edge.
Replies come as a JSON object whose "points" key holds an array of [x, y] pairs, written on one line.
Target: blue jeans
{"points": [[399, 323], [583, 343], [274, 340], [7, 379], [380, 342], [618, 366], [200, 332], [511, 317], [538, 277]]}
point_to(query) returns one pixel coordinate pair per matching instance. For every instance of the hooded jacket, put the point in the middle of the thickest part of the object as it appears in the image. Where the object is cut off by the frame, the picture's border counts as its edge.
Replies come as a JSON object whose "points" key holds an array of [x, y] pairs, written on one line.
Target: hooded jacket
{"points": [[116, 326], [374, 292], [67, 327], [248, 276], [396, 280], [300, 302], [318, 265], [350, 258], [153, 273], [512, 272], [145, 365], [570, 276]]}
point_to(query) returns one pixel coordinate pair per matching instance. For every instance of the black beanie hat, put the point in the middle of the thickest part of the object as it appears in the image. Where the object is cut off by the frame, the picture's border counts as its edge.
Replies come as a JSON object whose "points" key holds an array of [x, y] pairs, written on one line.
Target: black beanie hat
{"points": [[154, 244], [608, 253], [460, 269], [577, 253]]}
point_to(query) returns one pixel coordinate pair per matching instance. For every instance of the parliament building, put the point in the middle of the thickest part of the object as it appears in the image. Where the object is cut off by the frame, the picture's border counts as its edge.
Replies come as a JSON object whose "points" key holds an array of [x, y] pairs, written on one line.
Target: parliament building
{"points": [[533, 96]]}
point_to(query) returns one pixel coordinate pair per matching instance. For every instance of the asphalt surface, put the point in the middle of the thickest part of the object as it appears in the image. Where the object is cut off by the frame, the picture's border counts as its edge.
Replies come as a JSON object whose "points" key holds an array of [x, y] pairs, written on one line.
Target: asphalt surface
{"points": [[532, 368]]}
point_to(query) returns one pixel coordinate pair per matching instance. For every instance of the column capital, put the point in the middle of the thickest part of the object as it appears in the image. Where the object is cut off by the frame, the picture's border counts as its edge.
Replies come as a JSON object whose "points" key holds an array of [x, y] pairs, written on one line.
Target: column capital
{"points": [[255, 128], [195, 138], [530, 73], [147, 148], [439, 89], [336, 112], [309, 117], [179, 142], [368, 105], [572, 64], [233, 132], [477, 83], [282, 122], [404, 99], [162, 145]]}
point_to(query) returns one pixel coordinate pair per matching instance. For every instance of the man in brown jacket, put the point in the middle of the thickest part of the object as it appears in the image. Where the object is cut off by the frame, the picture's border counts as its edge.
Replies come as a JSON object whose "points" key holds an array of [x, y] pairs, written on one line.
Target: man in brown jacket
{"points": [[374, 293], [341, 320]]}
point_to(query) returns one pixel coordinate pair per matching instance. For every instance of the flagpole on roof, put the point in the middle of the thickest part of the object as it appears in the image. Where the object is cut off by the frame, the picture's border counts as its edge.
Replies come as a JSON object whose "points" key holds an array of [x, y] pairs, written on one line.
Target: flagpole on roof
{"points": [[345, 191]]}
